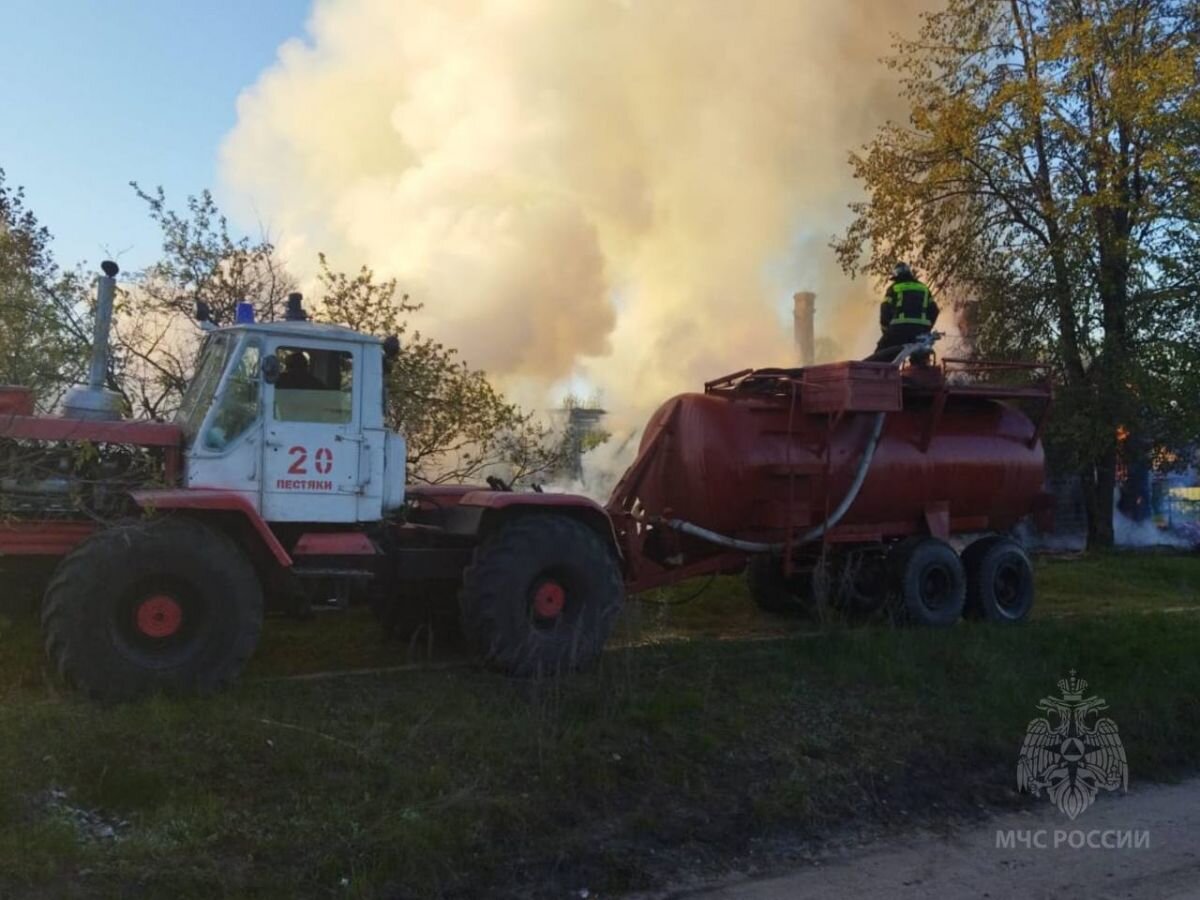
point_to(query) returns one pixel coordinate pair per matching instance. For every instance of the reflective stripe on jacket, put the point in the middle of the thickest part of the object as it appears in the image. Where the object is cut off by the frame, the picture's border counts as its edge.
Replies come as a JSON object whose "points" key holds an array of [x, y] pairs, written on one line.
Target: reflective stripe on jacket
{"points": [[911, 304]]}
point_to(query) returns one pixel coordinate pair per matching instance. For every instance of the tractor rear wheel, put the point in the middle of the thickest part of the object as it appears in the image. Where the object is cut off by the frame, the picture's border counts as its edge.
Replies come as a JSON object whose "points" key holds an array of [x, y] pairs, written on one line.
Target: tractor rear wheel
{"points": [[774, 592], [931, 582], [541, 596], [999, 581], [168, 605]]}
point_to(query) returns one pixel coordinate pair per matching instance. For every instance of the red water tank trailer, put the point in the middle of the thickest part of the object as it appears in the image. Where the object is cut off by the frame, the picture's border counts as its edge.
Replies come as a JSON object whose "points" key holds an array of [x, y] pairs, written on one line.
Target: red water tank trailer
{"points": [[853, 469]]}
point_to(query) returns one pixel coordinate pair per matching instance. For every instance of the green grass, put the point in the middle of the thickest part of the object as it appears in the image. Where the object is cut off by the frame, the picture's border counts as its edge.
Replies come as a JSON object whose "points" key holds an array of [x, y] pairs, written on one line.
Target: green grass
{"points": [[1119, 581], [455, 782]]}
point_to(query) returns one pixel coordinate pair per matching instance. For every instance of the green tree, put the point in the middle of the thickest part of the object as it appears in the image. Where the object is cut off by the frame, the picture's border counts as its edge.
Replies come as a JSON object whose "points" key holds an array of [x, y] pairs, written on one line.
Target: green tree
{"points": [[1046, 178], [43, 328], [155, 339], [457, 425], [203, 262]]}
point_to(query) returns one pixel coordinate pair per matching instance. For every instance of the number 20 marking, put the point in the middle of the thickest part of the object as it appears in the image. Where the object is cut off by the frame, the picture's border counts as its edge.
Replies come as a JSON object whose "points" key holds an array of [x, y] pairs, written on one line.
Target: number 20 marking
{"points": [[323, 461]]}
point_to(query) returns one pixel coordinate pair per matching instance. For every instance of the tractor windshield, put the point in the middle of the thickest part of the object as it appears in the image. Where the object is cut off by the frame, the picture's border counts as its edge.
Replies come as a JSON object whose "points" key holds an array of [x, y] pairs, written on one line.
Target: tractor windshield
{"points": [[199, 395]]}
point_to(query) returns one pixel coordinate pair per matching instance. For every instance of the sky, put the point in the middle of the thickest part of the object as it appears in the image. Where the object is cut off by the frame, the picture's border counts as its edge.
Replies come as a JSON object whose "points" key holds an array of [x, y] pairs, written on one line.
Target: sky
{"points": [[94, 95], [582, 194]]}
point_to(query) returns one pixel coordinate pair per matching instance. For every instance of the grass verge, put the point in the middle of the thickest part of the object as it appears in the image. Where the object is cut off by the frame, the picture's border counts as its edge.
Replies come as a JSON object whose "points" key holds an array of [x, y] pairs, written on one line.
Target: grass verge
{"points": [[671, 756]]}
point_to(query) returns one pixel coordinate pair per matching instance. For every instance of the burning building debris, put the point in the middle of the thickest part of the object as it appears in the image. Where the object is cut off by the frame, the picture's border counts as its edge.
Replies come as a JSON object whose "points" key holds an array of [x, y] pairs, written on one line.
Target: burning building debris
{"points": [[582, 432]]}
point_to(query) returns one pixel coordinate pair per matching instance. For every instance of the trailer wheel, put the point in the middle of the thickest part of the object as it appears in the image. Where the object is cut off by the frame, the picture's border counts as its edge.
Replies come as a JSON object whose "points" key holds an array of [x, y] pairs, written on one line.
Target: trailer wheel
{"points": [[999, 581], [971, 556], [772, 591], [169, 605], [541, 595], [931, 582]]}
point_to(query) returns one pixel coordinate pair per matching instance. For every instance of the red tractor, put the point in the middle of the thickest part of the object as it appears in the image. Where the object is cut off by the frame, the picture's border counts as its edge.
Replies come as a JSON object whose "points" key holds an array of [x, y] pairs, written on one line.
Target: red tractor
{"points": [[279, 479]]}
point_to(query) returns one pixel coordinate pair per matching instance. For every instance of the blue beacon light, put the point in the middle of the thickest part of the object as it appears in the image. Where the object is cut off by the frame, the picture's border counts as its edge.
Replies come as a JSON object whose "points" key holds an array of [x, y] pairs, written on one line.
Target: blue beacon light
{"points": [[244, 314]]}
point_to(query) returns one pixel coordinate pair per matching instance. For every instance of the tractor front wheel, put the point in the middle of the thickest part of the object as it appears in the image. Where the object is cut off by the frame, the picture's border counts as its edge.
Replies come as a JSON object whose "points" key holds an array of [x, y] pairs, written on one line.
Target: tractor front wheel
{"points": [[541, 595], [167, 605]]}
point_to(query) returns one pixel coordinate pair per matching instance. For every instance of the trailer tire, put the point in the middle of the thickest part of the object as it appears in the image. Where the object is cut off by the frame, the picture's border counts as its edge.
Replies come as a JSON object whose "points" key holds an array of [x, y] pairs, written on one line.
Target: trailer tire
{"points": [[999, 581], [931, 582], [971, 556], [773, 592], [541, 596], [169, 605]]}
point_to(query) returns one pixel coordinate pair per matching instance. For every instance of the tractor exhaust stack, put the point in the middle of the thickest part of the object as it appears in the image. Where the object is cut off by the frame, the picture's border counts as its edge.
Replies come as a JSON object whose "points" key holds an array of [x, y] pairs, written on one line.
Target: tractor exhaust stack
{"points": [[94, 400]]}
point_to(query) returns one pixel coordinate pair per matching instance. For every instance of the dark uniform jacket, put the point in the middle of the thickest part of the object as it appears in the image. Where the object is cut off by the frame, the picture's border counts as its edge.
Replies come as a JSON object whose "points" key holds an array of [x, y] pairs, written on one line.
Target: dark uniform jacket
{"points": [[907, 303]]}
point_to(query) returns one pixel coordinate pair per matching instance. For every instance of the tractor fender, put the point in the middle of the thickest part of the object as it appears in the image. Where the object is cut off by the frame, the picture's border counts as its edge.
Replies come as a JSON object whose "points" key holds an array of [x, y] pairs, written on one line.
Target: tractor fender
{"points": [[498, 505], [223, 503]]}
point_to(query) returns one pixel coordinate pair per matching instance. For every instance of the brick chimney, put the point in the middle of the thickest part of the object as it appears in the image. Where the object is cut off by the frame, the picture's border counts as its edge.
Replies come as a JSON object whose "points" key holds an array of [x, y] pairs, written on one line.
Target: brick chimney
{"points": [[802, 326]]}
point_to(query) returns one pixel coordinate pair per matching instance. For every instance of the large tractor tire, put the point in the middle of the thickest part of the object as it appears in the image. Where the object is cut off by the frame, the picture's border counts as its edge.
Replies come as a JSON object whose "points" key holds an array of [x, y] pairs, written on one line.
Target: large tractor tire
{"points": [[168, 605], [774, 592], [541, 595], [999, 581], [930, 581]]}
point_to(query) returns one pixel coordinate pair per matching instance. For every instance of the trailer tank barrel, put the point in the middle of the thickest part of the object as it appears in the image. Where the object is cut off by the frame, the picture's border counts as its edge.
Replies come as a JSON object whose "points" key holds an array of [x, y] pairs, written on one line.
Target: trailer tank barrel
{"points": [[949, 459]]}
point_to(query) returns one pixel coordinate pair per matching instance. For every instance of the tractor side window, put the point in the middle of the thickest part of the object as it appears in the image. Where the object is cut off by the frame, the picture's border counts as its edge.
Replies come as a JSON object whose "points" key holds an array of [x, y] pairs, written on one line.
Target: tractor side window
{"points": [[238, 407], [315, 386]]}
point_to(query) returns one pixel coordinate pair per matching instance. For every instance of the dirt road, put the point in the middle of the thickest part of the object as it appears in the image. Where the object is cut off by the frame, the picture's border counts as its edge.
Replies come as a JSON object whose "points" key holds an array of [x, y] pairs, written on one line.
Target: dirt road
{"points": [[970, 864]]}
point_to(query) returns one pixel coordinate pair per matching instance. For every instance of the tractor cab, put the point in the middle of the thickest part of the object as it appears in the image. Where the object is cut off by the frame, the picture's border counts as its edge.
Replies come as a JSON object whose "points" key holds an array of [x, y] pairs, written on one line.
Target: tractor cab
{"points": [[290, 416], [279, 483]]}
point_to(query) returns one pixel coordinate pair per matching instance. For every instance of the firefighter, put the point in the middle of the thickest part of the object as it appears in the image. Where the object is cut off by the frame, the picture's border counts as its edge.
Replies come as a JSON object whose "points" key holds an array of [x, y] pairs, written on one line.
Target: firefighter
{"points": [[906, 313]]}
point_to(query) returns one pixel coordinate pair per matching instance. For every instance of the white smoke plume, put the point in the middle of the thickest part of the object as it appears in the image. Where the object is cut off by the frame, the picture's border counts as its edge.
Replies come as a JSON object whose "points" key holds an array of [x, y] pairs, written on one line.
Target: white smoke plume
{"points": [[1146, 533], [603, 465], [612, 193]]}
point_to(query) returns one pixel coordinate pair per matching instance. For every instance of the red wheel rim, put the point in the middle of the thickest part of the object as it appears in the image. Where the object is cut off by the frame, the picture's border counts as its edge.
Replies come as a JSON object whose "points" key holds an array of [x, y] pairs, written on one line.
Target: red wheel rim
{"points": [[549, 600], [159, 616]]}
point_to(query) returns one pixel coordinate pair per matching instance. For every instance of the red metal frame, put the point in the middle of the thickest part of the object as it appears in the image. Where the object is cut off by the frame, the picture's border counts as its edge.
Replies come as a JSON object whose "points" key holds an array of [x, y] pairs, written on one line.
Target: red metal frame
{"points": [[658, 576], [16, 400], [213, 501], [443, 495], [53, 428], [144, 434], [42, 537], [441, 490], [334, 543], [507, 499], [942, 389]]}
